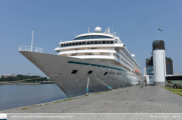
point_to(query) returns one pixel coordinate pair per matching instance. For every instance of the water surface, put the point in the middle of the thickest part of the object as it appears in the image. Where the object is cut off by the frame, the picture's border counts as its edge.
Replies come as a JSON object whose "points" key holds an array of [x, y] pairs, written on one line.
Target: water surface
{"points": [[12, 96]]}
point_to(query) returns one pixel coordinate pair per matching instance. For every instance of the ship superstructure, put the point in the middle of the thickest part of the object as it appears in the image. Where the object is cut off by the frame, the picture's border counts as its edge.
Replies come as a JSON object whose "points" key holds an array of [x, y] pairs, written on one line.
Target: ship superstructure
{"points": [[100, 46]]}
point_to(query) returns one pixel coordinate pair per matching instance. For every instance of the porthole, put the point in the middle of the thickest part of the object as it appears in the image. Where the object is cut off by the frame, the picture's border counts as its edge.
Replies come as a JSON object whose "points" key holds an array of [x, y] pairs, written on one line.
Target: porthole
{"points": [[74, 71], [90, 72], [105, 73]]}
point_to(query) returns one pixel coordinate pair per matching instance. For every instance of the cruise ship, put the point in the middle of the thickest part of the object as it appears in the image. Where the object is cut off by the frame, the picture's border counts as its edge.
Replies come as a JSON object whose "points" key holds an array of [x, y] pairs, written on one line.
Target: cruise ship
{"points": [[91, 62]]}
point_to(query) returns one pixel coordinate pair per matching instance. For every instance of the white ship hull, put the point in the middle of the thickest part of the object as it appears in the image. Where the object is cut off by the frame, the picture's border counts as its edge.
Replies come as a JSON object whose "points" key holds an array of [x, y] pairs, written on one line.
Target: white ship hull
{"points": [[59, 69]]}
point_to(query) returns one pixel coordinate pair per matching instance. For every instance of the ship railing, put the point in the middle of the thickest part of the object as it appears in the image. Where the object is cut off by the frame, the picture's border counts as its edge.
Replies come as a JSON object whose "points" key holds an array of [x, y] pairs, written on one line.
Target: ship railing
{"points": [[90, 54], [29, 48]]}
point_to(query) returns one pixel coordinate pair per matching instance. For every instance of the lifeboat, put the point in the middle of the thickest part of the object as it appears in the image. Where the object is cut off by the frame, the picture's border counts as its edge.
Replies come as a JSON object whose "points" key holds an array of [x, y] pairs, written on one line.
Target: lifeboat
{"points": [[137, 70]]}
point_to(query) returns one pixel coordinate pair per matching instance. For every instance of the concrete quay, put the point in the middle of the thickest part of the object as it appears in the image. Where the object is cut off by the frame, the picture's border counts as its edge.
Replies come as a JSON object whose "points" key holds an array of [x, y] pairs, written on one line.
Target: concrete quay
{"points": [[136, 99]]}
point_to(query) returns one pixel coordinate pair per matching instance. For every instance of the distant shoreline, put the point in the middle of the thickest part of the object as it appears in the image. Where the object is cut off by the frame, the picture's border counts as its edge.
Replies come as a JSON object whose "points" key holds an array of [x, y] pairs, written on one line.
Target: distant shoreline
{"points": [[23, 83], [19, 83]]}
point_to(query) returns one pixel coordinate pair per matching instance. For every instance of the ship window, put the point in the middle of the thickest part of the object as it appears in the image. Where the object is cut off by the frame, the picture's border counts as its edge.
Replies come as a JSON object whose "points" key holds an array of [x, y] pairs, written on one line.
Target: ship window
{"points": [[105, 73], [90, 72], [99, 42], [80, 43], [107, 42], [73, 43], [111, 42], [61, 45], [92, 42], [70, 44], [83, 43], [88, 42], [95, 42], [76, 43], [103, 42], [74, 71], [67, 44]]}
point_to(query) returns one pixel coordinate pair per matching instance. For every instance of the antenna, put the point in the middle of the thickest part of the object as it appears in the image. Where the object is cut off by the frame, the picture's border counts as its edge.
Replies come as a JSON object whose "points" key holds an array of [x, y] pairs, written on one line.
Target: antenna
{"points": [[112, 26], [159, 29], [157, 34], [107, 31], [93, 27], [32, 39], [88, 30]]}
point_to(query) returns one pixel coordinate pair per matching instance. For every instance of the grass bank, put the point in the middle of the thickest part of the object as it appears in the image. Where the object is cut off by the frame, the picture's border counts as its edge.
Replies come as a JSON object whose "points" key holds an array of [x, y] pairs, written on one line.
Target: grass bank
{"points": [[176, 91]]}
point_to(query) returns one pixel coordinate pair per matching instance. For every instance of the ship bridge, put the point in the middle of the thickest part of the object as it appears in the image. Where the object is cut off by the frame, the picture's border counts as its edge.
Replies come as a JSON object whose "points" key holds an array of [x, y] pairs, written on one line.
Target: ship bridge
{"points": [[94, 36]]}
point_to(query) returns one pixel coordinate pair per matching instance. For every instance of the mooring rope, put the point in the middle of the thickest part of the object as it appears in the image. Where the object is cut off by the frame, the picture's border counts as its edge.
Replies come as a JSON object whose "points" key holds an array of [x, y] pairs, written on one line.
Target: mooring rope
{"points": [[103, 83]]}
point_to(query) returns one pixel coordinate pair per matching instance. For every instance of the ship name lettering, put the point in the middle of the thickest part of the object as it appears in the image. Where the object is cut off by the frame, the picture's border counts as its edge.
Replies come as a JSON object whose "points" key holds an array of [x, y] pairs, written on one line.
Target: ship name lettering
{"points": [[118, 73]]}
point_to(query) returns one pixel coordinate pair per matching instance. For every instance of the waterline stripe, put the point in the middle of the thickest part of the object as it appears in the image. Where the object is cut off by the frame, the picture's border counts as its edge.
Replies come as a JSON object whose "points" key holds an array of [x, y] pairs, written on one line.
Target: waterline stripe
{"points": [[81, 63]]}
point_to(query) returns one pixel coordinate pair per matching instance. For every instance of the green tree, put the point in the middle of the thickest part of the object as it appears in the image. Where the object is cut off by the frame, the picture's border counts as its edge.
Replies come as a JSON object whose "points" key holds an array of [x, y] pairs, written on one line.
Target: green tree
{"points": [[2, 78]]}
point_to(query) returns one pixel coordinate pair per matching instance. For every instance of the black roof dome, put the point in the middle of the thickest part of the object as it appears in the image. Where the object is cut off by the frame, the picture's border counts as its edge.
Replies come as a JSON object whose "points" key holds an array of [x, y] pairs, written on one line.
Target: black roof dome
{"points": [[158, 45]]}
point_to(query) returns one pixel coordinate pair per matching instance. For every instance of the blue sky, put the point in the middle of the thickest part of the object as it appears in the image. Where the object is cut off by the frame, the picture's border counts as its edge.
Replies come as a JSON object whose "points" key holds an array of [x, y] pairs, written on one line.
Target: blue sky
{"points": [[136, 21]]}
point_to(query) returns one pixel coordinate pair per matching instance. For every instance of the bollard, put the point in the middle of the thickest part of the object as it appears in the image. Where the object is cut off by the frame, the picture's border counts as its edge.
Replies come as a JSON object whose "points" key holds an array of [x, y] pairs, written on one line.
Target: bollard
{"points": [[87, 90], [86, 94]]}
